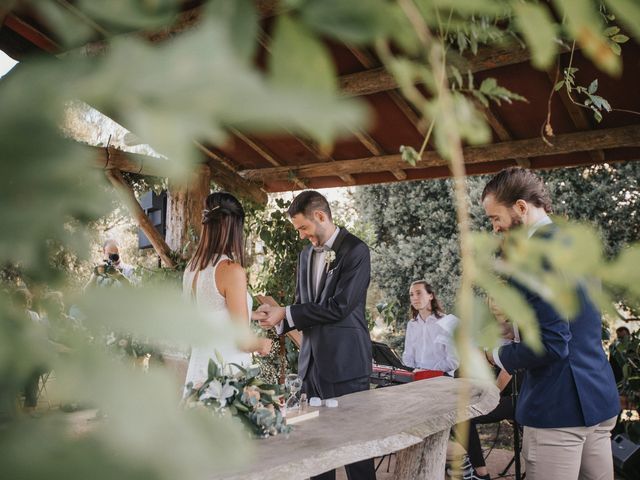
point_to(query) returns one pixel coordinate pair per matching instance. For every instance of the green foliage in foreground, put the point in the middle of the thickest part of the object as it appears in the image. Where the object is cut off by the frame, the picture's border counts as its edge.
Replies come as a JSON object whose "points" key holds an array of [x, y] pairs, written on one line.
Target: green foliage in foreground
{"points": [[192, 87]]}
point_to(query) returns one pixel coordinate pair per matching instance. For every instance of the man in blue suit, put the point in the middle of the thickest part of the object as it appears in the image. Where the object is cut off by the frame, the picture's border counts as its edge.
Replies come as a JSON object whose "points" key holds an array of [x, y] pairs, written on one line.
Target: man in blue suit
{"points": [[568, 402]]}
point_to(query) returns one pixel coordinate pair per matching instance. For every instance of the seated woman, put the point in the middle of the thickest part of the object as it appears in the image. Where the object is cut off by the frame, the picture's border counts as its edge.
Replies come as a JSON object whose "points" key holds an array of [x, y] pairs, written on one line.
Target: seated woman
{"points": [[428, 340]]}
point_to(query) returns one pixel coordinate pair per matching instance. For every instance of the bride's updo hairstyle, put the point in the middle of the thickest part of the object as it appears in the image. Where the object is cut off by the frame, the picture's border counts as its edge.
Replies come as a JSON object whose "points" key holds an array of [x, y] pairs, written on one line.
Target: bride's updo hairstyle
{"points": [[222, 231]]}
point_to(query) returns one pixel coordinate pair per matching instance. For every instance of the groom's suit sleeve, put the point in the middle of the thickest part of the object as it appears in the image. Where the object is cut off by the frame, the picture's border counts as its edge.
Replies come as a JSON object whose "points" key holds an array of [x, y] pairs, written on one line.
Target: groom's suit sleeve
{"points": [[287, 324], [350, 290]]}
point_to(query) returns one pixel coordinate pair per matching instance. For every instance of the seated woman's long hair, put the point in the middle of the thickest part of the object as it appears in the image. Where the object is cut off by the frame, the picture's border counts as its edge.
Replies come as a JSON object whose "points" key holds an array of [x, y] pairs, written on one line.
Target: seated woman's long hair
{"points": [[222, 232]]}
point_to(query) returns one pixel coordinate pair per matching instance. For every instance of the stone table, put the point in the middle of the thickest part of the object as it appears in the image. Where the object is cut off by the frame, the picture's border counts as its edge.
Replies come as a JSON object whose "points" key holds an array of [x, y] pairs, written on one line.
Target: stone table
{"points": [[412, 419]]}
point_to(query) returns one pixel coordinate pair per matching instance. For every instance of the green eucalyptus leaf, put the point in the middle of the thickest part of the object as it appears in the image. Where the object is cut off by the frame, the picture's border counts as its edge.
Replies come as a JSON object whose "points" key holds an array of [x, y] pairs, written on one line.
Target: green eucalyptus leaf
{"points": [[539, 31]]}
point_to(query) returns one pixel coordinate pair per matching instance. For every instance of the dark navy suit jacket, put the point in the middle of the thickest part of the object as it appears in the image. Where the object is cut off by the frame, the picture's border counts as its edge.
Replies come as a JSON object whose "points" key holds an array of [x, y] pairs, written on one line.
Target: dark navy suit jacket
{"points": [[571, 384], [333, 323]]}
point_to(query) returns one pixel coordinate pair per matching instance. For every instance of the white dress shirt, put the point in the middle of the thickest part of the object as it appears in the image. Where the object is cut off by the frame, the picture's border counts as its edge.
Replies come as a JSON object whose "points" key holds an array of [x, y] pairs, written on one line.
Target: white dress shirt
{"points": [[428, 344]]}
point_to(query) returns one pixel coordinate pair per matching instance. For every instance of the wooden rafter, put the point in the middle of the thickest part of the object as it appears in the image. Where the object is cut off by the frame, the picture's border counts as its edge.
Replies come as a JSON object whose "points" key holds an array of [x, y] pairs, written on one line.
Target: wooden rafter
{"points": [[534, 147], [501, 131], [30, 33], [326, 158], [223, 171], [376, 80], [265, 153], [225, 174], [578, 115]]}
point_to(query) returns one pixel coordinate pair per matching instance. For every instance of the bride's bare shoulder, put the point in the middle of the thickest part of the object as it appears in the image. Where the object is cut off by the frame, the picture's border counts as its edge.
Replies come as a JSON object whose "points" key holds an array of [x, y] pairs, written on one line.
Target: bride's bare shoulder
{"points": [[230, 273]]}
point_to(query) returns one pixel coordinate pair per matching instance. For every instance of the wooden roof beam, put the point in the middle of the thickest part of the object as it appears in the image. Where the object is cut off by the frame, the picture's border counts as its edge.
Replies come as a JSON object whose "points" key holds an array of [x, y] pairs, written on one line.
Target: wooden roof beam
{"points": [[376, 80], [31, 34], [628, 136], [265, 153], [223, 172], [500, 130]]}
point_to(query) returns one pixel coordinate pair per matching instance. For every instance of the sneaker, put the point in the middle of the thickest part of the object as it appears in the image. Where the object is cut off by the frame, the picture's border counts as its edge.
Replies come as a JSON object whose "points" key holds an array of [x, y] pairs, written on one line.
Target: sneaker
{"points": [[475, 476], [466, 469]]}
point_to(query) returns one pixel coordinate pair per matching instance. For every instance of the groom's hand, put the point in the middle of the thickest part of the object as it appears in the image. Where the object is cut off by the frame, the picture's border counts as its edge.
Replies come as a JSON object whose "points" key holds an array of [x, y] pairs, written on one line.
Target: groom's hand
{"points": [[274, 317]]}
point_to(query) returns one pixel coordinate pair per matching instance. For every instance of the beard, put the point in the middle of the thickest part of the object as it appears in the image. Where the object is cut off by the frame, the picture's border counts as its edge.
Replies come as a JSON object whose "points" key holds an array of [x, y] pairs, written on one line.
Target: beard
{"points": [[516, 221]]}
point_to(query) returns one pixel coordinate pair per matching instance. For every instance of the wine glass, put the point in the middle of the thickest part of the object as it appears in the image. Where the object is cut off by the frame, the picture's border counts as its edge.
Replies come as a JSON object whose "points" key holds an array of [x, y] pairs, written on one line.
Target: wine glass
{"points": [[293, 383]]}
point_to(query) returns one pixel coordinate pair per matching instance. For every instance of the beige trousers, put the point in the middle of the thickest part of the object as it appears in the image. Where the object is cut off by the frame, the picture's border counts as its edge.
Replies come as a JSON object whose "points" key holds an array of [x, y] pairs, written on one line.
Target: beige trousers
{"points": [[570, 453]]}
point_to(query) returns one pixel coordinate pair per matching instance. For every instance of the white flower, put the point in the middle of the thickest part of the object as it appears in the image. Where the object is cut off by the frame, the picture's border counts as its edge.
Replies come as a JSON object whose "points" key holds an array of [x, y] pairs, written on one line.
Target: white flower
{"points": [[329, 257], [219, 392]]}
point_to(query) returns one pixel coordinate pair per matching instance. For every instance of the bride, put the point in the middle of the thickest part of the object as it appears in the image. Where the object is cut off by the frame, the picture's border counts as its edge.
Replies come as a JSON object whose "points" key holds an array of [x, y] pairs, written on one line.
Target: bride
{"points": [[215, 279]]}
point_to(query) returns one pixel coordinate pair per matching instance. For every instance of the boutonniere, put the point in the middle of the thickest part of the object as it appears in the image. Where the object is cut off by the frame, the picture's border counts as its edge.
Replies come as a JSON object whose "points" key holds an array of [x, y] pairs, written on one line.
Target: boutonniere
{"points": [[330, 256]]}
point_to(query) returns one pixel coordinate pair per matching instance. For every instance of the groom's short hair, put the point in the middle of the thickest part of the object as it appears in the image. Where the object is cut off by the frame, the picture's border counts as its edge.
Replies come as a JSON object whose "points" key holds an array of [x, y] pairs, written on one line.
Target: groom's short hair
{"points": [[308, 202]]}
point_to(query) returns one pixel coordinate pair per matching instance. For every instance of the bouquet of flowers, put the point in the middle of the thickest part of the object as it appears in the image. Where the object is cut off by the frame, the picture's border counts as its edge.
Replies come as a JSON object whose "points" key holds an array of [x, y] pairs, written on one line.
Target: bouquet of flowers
{"points": [[242, 394]]}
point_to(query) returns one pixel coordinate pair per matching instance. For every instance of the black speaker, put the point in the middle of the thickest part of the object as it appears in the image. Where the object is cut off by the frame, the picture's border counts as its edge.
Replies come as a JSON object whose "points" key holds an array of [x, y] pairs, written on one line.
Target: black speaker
{"points": [[155, 207], [626, 456]]}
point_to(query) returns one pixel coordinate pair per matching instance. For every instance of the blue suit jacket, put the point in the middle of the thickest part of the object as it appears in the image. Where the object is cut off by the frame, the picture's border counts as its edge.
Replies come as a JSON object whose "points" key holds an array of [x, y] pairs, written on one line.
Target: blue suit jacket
{"points": [[571, 384]]}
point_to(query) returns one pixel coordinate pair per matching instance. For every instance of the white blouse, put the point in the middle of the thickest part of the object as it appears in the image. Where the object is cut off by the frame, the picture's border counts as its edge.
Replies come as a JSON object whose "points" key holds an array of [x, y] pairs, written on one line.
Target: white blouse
{"points": [[428, 345]]}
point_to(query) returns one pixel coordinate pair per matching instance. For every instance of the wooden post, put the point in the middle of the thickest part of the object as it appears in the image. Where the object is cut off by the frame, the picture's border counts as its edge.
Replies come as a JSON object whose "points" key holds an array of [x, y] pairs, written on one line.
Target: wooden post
{"points": [[184, 210], [126, 192]]}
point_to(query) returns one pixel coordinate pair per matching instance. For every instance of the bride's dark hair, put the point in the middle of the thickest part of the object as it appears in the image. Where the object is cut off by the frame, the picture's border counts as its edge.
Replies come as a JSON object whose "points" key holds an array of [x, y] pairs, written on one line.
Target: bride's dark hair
{"points": [[222, 231]]}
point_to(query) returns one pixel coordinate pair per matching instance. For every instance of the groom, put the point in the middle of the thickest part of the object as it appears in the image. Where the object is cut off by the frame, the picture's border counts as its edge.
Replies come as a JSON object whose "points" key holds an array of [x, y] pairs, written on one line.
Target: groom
{"points": [[329, 310]]}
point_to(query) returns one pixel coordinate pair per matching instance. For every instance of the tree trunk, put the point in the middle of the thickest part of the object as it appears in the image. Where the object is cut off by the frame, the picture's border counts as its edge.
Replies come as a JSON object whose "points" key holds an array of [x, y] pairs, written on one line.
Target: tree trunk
{"points": [[185, 203]]}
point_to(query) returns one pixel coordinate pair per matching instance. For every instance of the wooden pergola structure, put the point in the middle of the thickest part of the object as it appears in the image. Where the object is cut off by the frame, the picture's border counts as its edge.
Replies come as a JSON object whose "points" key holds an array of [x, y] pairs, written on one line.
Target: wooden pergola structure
{"points": [[252, 165]]}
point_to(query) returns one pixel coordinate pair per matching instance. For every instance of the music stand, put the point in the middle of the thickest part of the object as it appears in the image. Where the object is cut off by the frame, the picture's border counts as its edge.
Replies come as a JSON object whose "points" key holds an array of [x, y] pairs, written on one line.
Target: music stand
{"points": [[383, 355]]}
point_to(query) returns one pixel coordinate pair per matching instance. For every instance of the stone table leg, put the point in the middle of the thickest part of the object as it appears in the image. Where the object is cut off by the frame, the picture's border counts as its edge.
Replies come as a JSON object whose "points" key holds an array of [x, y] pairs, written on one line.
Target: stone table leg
{"points": [[424, 460]]}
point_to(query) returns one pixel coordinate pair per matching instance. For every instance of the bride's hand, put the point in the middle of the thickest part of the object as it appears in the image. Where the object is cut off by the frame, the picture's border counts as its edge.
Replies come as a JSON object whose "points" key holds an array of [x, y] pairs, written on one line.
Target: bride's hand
{"points": [[257, 316], [264, 346]]}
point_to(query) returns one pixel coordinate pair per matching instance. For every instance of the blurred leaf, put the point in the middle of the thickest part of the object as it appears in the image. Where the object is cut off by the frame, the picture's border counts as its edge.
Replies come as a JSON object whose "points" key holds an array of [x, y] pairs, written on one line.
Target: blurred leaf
{"points": [[159, 314], [627, 12], [126, 15], [585, 25], [620, 38], [349, 22], [409, 155], [514, 306], [495, 92], [299, 60], [38, 165], [71, 31], [468, 7], [240, 19], [538, 28]]}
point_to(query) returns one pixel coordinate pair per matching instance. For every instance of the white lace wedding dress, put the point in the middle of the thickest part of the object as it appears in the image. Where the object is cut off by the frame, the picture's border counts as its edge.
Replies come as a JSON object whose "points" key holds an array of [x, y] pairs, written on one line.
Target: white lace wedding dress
{"points": [[207, 296]]}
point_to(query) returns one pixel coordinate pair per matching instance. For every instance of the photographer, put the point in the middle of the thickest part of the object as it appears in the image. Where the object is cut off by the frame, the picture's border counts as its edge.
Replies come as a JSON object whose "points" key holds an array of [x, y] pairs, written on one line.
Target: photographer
{"points": [[113, 270]]}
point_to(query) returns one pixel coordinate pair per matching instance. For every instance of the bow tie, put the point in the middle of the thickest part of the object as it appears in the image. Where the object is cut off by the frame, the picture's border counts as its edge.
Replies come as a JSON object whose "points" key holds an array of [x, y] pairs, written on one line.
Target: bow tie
{"points": [[322, 249]]}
